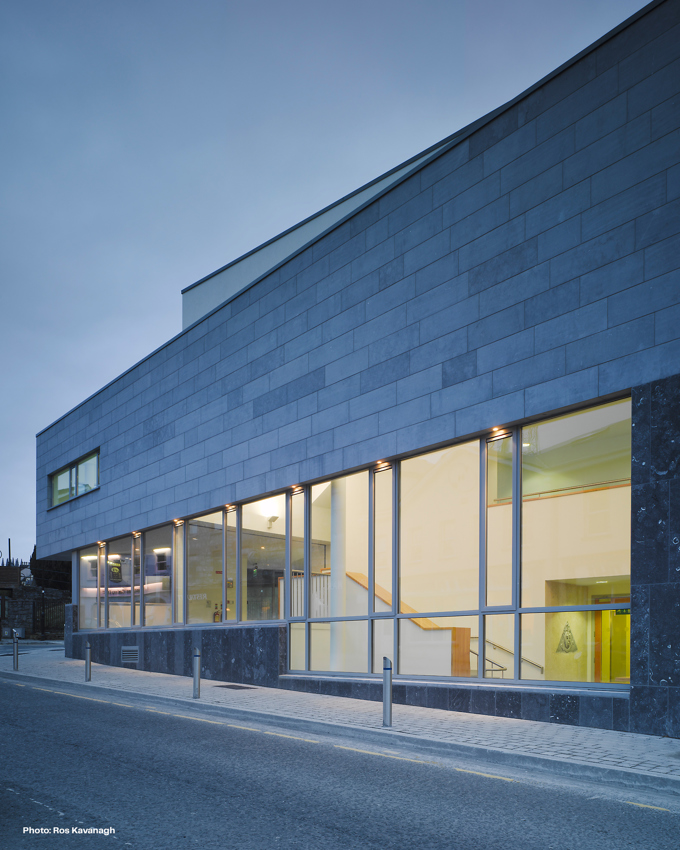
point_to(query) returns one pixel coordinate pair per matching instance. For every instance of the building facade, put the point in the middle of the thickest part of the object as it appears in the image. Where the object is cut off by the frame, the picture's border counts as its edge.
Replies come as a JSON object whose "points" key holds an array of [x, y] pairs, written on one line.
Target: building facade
{"points": [[438, 421]]}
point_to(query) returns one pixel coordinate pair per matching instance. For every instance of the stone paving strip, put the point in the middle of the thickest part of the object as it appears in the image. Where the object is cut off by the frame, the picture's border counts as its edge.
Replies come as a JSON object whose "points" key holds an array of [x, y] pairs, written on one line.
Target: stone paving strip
{"points": [[598, 747]]}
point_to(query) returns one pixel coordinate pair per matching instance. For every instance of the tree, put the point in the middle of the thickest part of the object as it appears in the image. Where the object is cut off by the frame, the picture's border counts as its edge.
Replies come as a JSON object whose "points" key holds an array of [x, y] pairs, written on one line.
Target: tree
{"points": [[51, 574]]}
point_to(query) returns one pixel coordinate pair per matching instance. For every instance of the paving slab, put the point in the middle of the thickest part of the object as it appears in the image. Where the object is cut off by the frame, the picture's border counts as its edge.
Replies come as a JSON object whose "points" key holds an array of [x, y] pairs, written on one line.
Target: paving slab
{"points": [[600, 754]]}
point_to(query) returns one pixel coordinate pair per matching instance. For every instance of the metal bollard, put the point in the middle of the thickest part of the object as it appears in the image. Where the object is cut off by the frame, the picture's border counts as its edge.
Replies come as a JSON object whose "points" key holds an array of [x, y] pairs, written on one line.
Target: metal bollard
{"points": [[15, 649], [88, 662], [387, 691], [197, 672]]}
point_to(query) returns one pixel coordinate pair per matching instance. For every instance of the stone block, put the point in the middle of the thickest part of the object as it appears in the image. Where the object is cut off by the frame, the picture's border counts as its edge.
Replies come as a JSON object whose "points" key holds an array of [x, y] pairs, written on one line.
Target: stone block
{"points": [[575, 388], [596, 712], [504, 266], [568, 326], [536, 706], [537, 160], [385, 373], [508, 704], [419, 384], [500, 325], [457, 369], [482, 701], [497, 354], [427, 252], [477, 224], [610, 344], [649, 710], [536, 370], [437, 351], [458, 181], [532, 193], [664, 634], [417, 232], [459, 699], [564, 709]]}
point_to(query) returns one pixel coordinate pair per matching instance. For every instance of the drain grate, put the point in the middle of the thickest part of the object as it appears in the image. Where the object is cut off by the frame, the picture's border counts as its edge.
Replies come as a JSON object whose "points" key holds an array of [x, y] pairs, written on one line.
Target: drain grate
{"points": [[129, 654], [236, 687]]}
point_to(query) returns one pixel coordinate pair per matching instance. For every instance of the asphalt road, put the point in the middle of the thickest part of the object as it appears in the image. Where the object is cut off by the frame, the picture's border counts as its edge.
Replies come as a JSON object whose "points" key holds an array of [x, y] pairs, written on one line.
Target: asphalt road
{"points": [[164, 777]]}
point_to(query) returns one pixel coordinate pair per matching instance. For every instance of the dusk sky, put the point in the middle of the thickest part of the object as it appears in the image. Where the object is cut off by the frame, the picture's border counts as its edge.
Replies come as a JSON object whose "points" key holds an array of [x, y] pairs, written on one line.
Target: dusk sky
{"points": [[147, 143]]}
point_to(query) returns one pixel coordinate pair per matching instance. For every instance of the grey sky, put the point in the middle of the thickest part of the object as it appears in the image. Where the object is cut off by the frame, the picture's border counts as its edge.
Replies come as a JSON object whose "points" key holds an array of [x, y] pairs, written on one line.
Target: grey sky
{"points": [[146, 143]]}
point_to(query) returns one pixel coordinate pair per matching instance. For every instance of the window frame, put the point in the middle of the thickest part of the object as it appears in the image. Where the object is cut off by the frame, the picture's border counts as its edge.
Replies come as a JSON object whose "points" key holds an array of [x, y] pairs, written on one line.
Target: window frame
{"points": [[72, 469]]}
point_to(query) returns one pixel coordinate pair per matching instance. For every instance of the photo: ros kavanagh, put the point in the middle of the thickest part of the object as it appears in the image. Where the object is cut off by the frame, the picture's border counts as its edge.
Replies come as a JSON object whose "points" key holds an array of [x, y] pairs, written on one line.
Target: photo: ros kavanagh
{"points": [[68, 830]]}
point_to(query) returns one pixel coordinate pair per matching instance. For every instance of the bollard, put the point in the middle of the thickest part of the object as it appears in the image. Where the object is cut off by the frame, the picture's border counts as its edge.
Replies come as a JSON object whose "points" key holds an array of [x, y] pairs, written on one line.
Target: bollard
{"points": [[88, 662], [387, 691], [197, 672], [15, 649]]}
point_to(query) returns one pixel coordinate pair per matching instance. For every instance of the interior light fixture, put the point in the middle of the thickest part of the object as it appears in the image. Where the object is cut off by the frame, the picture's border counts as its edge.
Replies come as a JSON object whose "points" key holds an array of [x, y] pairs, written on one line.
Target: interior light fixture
{"points": [[271, 521]]}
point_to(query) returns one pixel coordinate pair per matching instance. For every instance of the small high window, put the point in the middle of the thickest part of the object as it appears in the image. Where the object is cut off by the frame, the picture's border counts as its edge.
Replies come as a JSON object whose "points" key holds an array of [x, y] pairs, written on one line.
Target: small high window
{"points": [[74, 480]]}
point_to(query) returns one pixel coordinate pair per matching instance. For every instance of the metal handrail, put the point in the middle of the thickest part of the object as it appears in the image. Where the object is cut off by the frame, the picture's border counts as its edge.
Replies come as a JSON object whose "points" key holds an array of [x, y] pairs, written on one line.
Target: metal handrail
{"points": [[510, 652]]}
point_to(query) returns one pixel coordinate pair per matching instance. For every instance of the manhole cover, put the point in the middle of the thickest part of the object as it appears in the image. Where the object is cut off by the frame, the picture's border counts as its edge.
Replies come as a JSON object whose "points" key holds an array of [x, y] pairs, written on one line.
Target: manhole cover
{"points": [[236, 687]]}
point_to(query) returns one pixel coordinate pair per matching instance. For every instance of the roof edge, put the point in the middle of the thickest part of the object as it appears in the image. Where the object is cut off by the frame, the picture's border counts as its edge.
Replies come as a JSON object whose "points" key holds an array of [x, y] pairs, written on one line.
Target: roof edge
{"points": [[438, 149]]}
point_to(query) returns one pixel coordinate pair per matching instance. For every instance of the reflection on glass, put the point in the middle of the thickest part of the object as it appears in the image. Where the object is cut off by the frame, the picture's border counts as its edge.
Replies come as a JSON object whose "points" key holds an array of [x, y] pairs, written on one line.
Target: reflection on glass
{"points": [[157, 549], [499, 643], [297, 555], [102, 587], [179, 571], [87, 597], [231, 566], [383, 643], [382, 564], [263, 558], [297, 646], [439, 646], [576, 506], [499, 522], [339, 575], [340, 647], [87, 474], [439, 529], [136, 578], [119, 576], [577, 646], [62, 486], [204, 569]]}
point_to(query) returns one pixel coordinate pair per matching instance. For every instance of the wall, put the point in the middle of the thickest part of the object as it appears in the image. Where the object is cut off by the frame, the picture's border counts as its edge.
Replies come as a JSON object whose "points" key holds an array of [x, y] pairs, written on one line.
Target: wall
{"points": [[655, 561], [530, 267]]}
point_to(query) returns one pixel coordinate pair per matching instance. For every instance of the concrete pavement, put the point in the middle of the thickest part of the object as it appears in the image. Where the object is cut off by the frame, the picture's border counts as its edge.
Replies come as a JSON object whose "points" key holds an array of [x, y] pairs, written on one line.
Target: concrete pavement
{"points": [[617, 757]]}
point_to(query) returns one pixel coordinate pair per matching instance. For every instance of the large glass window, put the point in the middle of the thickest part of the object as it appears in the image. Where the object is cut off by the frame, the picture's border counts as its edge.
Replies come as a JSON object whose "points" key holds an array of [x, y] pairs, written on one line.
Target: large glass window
{"points": [[230, 557], [297, 555], [499, 522], [548, 503], [157, 549], [577, 646], [204, 569], [439, 646], [119, 578], [576, 507], [439, 529], [339, 647], [178, 562], [89, 587], [339, 556], [263, 559], [382, 513]]}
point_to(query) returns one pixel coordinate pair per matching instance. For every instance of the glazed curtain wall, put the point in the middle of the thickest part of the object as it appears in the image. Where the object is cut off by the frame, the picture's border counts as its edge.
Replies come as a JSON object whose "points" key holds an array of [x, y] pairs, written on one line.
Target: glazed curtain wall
{"points": [[506, 557]]}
